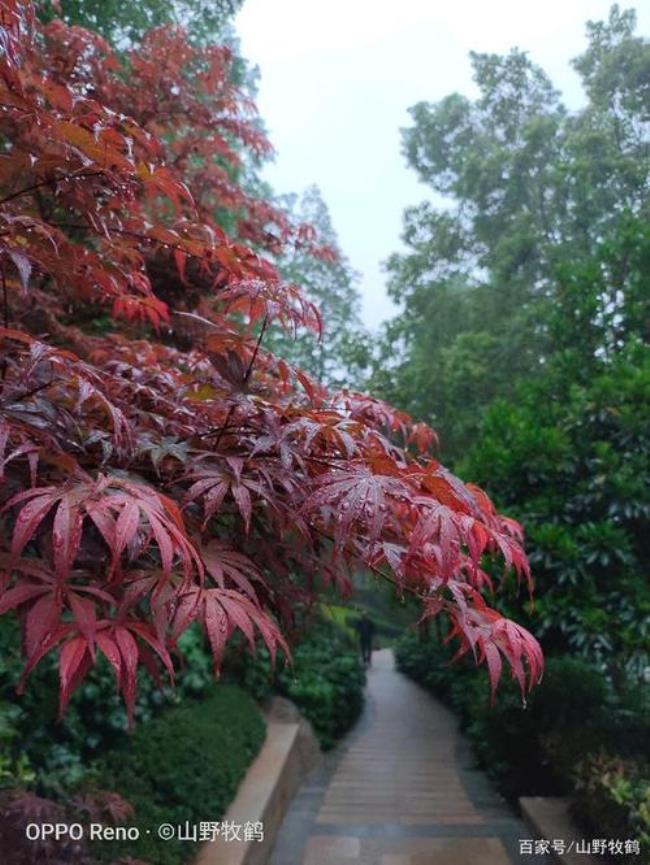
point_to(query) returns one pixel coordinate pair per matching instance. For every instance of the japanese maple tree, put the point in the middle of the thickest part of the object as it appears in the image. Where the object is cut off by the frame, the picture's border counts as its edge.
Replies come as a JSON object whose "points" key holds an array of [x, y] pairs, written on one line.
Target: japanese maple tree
{"points": [[158, 465]]}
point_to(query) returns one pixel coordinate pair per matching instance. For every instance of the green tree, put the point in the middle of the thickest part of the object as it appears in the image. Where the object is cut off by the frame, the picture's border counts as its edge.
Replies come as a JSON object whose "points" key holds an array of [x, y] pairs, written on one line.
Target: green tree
{"points": [[125, 21], [522, 189], [570, 456], [339, 356]]}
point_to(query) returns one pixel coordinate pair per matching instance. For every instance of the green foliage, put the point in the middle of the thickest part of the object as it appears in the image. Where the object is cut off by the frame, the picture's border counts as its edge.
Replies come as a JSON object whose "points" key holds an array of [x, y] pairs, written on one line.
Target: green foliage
{"points": [[122, 21], [53, 757], [571, 460], [427, 662], [541, 242], [340, 354], [326, 682], [386, 631], [253, 673], [325, 679], [613, 799], [342, 618], [601, 300], [184, 765], [543, 747]]}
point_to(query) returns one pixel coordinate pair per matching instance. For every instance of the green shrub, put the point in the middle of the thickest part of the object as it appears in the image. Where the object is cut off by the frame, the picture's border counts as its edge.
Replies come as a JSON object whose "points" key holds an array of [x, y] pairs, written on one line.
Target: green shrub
{"points": [[253, 673], [613, 800], [548, 747], [326, 682], [530, 750], [53, 756], [184, 765], [567, 455], [625, 727], [428, 663], [325, 679]]}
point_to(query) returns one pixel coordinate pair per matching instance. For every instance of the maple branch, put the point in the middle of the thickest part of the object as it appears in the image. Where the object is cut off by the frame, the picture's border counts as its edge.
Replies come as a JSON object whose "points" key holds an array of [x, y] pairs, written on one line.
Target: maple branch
{"points": [[26, 189], [257, 348], [327, 463], [5, 301], [317, 460], [135, 234], [34, 390], [373, 568], [5, 306], [222, 429], [219, 433]]}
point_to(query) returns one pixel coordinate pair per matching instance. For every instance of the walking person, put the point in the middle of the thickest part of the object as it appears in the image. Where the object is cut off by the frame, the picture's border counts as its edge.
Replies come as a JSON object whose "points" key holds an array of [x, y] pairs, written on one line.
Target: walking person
{"points": [[366, 629]]}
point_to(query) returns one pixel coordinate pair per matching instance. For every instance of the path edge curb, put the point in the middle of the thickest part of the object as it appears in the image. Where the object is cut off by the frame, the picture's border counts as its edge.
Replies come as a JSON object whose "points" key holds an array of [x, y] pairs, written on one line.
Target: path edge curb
{"points": [[288, 753], [550, 818]]}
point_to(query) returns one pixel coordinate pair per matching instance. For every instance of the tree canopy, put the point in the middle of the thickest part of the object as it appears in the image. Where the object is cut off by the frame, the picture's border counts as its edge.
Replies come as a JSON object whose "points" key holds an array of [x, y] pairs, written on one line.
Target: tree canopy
{"points": [[337, 355], [160, 466], [525, 331], [527, 187]]}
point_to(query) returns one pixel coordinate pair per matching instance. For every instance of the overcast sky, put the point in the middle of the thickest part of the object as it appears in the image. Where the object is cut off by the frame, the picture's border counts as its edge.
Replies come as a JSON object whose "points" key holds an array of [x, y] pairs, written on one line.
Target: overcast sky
{"points": [[337, 78]]}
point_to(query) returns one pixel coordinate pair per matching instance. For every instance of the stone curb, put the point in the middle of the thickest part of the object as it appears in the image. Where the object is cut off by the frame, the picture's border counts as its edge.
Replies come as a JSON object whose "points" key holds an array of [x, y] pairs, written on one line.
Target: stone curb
{"points": [[271, 782], [549, 818]]}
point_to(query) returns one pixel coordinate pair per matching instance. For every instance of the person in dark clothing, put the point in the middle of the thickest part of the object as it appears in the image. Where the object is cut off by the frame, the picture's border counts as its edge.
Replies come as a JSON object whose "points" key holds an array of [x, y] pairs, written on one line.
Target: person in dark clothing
{"points": [[366, 629]]}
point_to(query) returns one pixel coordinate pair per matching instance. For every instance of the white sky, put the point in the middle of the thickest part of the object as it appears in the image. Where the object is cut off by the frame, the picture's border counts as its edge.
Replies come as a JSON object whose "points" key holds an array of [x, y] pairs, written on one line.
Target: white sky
{"points": [[337, 78]]}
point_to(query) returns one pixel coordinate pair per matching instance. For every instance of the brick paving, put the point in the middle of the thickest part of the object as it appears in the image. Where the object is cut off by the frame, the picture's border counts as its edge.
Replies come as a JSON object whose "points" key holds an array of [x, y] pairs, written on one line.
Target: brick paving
{"points": [[400, 790]]}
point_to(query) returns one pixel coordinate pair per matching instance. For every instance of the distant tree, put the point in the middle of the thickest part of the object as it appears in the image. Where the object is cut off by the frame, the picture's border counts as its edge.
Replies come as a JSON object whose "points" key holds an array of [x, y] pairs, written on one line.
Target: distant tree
{"points": [[337, 355], [527, 187]]}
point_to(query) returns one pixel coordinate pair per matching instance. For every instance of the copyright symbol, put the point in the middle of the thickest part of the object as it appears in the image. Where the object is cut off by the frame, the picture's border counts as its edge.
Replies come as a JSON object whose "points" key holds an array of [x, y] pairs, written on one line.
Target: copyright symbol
{"points": [[166, 831]]}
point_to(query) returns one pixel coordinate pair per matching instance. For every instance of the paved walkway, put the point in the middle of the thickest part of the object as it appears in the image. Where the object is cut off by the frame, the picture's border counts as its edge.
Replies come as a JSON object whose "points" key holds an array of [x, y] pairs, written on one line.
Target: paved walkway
{"points": [[400, 790]]}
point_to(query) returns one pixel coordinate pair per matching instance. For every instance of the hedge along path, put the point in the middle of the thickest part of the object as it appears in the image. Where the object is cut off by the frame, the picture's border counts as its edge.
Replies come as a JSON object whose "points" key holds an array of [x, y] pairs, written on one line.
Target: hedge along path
{"points": [[400, 790]]}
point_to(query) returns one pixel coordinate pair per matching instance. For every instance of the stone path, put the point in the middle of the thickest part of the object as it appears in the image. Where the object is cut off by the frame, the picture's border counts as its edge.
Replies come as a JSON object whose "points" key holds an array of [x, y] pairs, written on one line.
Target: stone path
{"points": [[400, 790]]}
